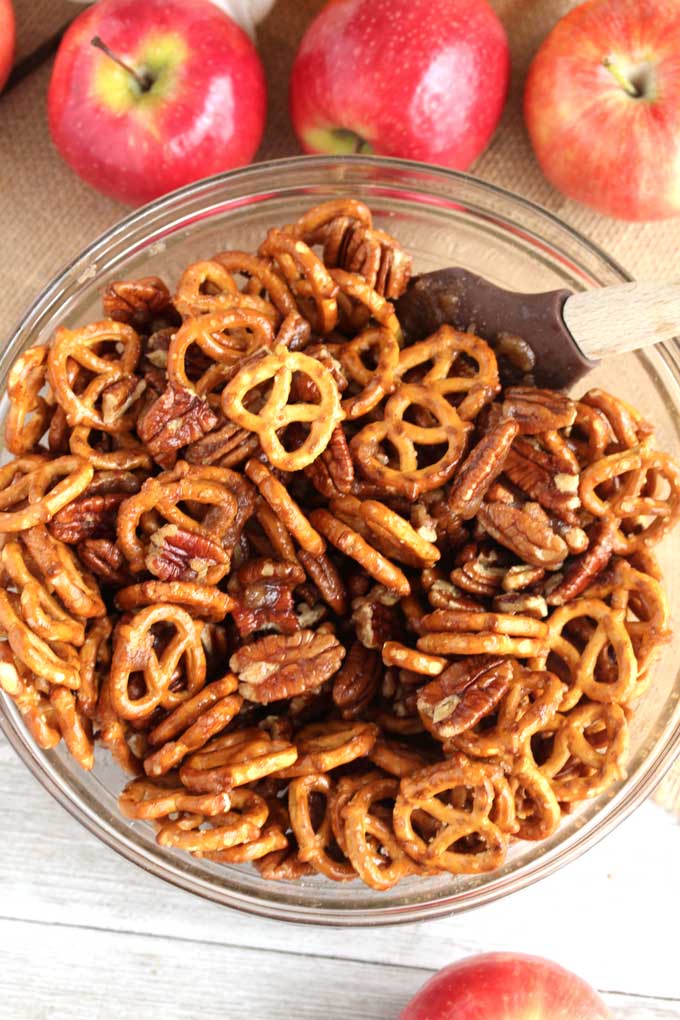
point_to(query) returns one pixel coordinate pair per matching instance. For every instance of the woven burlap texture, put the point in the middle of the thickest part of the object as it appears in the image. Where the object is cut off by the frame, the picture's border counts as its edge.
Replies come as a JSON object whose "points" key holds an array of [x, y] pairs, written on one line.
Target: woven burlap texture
{"points": [[47, 215]]}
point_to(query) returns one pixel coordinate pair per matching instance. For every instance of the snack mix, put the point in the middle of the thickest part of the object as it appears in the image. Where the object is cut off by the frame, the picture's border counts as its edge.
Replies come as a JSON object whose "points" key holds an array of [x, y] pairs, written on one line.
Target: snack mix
{"points": [[336, 602]]}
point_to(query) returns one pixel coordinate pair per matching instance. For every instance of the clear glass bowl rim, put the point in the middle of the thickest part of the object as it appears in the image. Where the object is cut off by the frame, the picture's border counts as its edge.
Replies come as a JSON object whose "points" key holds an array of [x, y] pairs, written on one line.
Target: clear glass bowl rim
{"points": [[630, 796]]}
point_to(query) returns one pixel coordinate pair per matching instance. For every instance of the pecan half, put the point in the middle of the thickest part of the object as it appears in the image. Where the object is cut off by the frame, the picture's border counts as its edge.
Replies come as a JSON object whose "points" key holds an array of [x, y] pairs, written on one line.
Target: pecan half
{"points": [[105, 560], [444, 595], [521, 576], [373, 254], [285, 665], [586, 567], [226, 446], [483, 574], [177, 554], [356, 682], [525, 532], [333, 472], [521, 602], [538, 475], [176, 419], [119, 397], [480, 468], [376, 617], [87, 517], [537, 410], [263, 590], [464, 693], [136, 302]]}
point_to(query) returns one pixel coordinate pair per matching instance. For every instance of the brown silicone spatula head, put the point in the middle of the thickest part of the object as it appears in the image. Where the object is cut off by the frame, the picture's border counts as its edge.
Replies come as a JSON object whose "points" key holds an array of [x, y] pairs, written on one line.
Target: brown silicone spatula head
{"points": [[462, 299]]}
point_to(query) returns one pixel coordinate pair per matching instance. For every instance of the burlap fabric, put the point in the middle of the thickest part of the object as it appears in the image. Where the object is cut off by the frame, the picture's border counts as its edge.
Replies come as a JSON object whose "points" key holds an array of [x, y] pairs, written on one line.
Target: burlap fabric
{"points": [[47, 215]]}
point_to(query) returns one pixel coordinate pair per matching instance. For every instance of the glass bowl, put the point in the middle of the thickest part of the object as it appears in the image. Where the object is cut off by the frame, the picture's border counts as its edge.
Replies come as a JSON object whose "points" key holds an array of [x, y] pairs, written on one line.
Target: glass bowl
{"points": [[443, 218]]}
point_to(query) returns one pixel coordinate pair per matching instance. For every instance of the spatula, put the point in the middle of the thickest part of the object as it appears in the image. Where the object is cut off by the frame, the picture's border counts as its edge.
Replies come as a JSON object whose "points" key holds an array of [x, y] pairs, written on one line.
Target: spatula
{"points": [[568, 332]]}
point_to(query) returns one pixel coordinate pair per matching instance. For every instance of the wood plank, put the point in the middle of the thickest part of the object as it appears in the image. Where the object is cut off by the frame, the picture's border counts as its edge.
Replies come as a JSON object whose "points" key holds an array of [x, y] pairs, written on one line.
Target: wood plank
{"points": [[591, 917], [62, 973]]}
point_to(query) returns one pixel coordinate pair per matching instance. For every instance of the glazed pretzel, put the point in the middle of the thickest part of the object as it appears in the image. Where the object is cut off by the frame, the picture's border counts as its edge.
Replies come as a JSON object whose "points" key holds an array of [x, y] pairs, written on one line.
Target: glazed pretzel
{"points": [[325, 746], [276, 413], [580, 666], [285, 507], [270, 841], [311, 226], [468, 632], [149, 800], [34, 707], [240, 824], [406, 477], [484, 793], [589, 750], [372, 847], [29, 413], [191, 725], [375, 382], [125, 453], [533, 698], [134, 651], [74, 726], [28, 486], [63, 573], [314, 842], [397, 758], [82, 348], [235, 759], [225, 337], [537, 810], [201, 286], [443, 352], [203, 600], [43, 614], [263, 280], [94, 655], [192, 548], [56, 663], [626, 424], [396, 654], [359, 302], [307, 277]]}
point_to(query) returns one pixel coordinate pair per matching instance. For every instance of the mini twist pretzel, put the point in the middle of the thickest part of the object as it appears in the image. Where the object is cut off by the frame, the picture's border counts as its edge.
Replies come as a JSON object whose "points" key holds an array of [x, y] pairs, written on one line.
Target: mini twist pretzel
{"points": [[307, 277], [34, 707], [126, 454], [74, 726], [149, 800], [234, 759], [201, 286], [57, 665], [627, 425], [81, 347], [183, 549], [365, 830], [323, 747], [443, 352], [202, 600], [27, 484], [285, 507], [466, 840], [406, 477], [359, 302], [134, 651], [94, 655], [192, 723], [536, 807], [310, 227], [45, 616], [241, 824], [581, 665], [391, 533], [532, 698], [262, 280], [467, 632], [29, 413], [272, 840], [589, 750], [396, 758], [225, 337], [353, 545], [376, 382], [276, 413], [63, 573], [314, 842], [396, 654]]}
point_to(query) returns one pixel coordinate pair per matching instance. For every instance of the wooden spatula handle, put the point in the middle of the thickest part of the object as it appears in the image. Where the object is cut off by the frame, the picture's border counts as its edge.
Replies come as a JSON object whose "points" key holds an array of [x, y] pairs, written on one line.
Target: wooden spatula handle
{"points": [[624, 317]]}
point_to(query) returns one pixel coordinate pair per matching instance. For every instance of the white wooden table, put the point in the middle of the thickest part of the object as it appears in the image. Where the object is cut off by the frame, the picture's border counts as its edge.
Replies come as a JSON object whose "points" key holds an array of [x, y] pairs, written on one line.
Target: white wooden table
{"points": [[84, 935]]}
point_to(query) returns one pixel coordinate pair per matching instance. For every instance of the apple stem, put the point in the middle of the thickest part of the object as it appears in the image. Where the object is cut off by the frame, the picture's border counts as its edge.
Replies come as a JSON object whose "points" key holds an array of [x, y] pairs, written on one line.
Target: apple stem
{"points": [[625, 83], [142, 80]]}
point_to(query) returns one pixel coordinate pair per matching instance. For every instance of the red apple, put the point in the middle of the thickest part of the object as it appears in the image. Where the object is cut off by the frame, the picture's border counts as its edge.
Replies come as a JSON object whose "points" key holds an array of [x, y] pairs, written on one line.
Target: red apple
{"points": [[505, 986], [179, 95], [421, 79], [6, 40], [602, 105]]}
